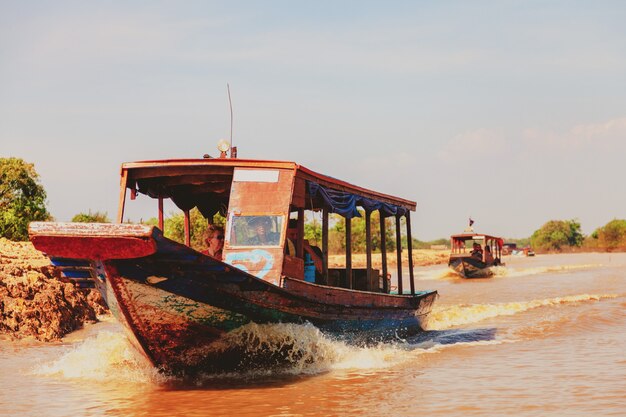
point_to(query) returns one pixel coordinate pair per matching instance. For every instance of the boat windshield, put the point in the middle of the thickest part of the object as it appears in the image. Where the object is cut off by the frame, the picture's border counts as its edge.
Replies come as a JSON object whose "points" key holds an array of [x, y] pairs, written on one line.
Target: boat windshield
{"points": [[256, 230]]}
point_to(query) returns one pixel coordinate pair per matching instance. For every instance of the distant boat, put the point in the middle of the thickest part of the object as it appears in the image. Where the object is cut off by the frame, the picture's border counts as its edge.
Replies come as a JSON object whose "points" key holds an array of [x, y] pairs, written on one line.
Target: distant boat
{"points": [[473, 255], [177, 303]]}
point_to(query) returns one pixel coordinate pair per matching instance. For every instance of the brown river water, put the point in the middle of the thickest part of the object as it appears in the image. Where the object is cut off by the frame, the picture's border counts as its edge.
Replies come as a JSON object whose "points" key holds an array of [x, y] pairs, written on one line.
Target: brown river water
{"points": [[546, 336]]}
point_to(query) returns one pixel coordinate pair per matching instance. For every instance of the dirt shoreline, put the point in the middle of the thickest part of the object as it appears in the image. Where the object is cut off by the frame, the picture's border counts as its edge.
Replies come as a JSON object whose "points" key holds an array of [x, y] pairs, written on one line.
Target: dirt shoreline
{"points": [[421, 257], [35, 301]]}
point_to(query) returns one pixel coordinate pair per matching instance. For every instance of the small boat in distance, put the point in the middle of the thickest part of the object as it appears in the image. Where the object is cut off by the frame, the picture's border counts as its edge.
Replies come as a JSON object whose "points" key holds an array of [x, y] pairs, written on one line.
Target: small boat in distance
{"points": [[473, 255], [178, 305]]}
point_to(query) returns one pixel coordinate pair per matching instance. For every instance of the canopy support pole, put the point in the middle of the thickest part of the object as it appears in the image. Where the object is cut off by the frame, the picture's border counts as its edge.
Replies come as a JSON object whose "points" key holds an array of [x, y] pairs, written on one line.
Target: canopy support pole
{"points": [[409, 245], [187, 229], [161, 222], [368, 245], [299, 241], [383, 251], [349, 252], [122, 201], [325, 245], [399, 254]]}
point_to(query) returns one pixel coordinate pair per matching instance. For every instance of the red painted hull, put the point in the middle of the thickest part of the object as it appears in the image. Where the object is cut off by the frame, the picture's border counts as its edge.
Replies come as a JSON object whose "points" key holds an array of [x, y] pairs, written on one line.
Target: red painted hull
{"points": [[180, 306]]}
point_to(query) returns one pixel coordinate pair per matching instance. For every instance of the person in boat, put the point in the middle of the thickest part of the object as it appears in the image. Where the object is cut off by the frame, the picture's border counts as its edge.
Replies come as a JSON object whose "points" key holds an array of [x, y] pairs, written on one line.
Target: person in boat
{"points": [[488, 256], [312, 251], [262, 228], [214, 238], [477, 251]]}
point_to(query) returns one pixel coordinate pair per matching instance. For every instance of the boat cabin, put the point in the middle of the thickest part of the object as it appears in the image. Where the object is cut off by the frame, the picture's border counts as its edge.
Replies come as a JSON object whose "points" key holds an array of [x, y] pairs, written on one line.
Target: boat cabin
{"points": [[260, 199], [484, 247]]}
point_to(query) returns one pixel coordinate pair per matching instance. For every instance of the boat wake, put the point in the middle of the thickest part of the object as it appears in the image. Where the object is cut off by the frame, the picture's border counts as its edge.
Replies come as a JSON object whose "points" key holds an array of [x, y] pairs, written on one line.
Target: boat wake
{"points": [[447, 317], [518, 272], [445, 273]]}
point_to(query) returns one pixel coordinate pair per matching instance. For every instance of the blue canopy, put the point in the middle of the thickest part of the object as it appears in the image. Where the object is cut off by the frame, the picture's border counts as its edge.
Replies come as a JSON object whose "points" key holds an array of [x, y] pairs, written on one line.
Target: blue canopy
{"points": [[345, 204]]}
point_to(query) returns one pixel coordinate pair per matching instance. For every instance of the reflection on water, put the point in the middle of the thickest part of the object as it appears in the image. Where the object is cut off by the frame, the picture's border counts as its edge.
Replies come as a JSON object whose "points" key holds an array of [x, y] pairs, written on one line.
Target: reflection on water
{"points": [[544, 338]]}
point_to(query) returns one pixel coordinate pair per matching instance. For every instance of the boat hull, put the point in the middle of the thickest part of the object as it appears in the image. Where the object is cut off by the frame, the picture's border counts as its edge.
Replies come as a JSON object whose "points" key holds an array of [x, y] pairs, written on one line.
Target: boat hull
{"points": [[180, 306], [470, 267]]}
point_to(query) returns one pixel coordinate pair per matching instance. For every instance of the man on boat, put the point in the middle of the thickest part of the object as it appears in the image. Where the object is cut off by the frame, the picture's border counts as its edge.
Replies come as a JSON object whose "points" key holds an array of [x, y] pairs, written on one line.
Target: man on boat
{"points": [[477, 251], [314, 253], [262, 227]]}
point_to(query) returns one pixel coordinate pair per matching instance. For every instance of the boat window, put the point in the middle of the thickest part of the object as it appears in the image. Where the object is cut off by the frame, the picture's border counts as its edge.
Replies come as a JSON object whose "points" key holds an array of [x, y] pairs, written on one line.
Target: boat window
{"points": [[256, 230]]}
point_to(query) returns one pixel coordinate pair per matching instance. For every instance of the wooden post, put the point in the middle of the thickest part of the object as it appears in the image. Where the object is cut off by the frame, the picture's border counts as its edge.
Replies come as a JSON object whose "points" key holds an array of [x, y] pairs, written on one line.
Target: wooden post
{"points": [[368, 246], [187, 228], [349, 252], [399, 254], [409, 246], [325, 244], [383, 251], [161, 221], [122, 201], [299, 241]]}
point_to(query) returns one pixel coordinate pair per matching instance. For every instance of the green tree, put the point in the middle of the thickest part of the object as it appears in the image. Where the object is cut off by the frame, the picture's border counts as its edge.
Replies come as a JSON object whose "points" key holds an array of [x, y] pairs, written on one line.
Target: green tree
{"points": [[90, 217], [612, 235], [418, 244], [174, 226], [337, 234], [313, 233], [22, 198], [557, 234]]}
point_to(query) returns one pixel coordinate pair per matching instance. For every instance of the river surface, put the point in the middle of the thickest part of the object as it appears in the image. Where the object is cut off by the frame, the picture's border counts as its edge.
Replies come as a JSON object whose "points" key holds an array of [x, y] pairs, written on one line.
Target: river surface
{"points": [[546, 336]]}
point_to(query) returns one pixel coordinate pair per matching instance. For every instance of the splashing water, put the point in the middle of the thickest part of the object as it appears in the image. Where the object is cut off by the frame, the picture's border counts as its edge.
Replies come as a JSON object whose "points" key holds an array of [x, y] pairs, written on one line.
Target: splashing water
{"points": [[108, 355], [304, 349], [294, 349]]}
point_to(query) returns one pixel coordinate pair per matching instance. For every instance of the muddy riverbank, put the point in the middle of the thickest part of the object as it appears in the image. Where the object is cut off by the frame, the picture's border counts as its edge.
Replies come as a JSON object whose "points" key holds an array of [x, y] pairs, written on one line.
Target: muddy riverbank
{"points": [[35, 301]]}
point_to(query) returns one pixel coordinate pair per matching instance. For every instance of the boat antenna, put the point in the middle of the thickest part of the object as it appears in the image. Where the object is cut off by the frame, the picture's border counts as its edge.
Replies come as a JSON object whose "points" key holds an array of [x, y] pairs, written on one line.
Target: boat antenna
{"points": [[233, 151]]}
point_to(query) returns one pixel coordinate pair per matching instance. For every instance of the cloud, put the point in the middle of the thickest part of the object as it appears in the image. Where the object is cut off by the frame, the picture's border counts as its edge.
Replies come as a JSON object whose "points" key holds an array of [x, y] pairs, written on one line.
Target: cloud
{"points": [[487, 144], [472, 146], [604, 135]]}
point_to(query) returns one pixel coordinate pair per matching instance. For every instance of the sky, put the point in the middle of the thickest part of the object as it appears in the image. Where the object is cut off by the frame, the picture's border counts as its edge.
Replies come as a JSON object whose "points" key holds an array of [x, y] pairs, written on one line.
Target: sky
{"points": [[509, 112]]}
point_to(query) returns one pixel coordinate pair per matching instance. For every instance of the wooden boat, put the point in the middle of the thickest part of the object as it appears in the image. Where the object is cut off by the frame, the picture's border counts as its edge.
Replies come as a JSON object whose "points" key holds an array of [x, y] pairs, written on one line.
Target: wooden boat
{"points": [[178, 304], [478, 259]]}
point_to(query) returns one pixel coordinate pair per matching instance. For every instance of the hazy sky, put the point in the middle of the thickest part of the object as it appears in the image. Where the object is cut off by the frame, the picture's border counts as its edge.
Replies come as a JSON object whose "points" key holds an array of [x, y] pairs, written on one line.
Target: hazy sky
{"points": [[513, 112]]}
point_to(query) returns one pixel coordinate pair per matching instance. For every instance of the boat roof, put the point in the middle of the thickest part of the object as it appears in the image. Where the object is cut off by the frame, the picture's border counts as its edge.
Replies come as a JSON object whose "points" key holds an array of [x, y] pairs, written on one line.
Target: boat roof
{"points": [[479, 236], [210, 174]]}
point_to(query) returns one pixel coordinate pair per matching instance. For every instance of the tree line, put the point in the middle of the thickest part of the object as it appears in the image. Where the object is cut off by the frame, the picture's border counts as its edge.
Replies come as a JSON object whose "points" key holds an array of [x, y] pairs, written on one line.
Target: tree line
{"points": [[23, 199]]}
